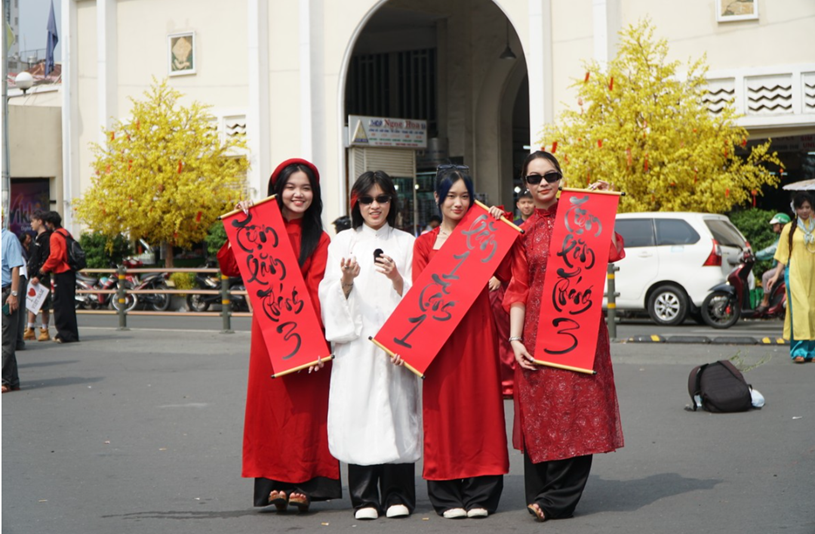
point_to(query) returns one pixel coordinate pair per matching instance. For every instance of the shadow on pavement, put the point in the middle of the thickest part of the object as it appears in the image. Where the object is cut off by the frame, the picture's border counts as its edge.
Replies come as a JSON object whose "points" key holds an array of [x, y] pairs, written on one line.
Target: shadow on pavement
{"points": [[62, 381], [44, 364], [630, 495]]}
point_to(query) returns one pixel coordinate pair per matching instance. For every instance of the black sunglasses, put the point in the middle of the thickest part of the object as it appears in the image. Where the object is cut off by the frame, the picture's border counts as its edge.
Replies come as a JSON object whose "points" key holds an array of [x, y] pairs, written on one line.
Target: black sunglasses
{"points": [[550, 177], [380, 199]]}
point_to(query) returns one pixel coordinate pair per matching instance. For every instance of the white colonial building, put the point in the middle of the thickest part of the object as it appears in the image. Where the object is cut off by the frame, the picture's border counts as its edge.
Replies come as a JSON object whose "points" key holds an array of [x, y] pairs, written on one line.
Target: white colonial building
{"points": [[477, 78]]}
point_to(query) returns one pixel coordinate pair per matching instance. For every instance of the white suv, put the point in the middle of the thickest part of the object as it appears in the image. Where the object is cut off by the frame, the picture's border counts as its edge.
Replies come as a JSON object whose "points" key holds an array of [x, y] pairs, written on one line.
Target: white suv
{"points": [[672, 260]]}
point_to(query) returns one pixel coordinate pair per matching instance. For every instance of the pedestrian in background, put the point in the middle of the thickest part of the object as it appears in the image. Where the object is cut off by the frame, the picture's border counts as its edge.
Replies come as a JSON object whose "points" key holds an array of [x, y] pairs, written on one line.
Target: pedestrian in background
{"points": [[12, 261], [64, 281], [25, 243], [39, 252], [796, 263]]}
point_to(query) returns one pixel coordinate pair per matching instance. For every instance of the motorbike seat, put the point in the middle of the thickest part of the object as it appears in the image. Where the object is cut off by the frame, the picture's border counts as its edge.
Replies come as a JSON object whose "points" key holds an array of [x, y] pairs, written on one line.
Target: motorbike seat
{"points": [[87, 279]]}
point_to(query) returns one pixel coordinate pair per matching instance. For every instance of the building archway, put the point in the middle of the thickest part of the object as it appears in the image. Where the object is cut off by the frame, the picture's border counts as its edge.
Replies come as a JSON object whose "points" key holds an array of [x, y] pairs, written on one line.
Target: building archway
{"points": [[440, 62]]}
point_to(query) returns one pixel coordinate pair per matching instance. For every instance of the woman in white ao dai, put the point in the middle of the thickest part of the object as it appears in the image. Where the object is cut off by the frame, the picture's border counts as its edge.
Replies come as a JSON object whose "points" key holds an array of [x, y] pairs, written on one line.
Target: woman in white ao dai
{"points": [[374, 421]]}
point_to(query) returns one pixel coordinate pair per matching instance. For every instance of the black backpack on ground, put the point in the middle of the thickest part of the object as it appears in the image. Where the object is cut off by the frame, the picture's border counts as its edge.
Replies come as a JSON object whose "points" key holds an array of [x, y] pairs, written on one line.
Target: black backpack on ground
{"points": [[76, 256], [721, 387]]}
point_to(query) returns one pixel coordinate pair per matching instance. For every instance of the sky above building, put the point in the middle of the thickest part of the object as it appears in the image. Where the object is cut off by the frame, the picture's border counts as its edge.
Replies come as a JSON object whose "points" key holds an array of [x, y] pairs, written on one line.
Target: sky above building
{"points": [[33, 23]]}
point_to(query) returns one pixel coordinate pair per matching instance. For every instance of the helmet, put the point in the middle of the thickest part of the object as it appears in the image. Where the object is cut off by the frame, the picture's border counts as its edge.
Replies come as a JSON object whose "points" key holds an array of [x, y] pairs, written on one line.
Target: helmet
{"points": [[780, 218]]}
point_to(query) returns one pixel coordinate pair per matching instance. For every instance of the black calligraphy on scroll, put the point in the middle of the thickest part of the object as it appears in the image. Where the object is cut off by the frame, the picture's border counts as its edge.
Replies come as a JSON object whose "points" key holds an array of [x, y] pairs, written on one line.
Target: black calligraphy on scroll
{"points": [[273, 280], [575, 275], [446, 289]]}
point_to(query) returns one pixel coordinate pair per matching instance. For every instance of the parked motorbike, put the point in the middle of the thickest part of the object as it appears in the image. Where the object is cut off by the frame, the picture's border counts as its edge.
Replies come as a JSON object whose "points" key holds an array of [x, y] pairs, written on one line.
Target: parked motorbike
{"points": [[158, 301], [95, 301], [201, 303], [730, 301]]}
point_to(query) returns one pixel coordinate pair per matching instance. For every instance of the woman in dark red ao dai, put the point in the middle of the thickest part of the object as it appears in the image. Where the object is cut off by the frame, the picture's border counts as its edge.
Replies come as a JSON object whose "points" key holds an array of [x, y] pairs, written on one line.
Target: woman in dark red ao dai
{"points": [[562, 417]]}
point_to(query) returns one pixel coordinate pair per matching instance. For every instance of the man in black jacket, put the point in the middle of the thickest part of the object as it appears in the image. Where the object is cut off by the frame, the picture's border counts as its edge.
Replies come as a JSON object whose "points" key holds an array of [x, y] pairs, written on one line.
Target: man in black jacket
{"points": [[40, 250]]}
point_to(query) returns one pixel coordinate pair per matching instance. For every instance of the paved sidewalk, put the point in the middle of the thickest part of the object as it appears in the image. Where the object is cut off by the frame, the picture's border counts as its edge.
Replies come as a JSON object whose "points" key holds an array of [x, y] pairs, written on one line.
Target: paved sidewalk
{"points": [[140, 431]]}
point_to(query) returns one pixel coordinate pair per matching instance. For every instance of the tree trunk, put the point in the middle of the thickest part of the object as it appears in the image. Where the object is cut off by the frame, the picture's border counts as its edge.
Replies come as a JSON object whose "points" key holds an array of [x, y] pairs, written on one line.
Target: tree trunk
{"points": [[168, 254]]}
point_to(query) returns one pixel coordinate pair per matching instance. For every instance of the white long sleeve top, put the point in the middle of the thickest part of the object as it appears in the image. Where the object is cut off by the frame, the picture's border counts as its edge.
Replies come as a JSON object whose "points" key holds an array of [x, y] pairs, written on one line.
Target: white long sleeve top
{"points": [[374, 411]]}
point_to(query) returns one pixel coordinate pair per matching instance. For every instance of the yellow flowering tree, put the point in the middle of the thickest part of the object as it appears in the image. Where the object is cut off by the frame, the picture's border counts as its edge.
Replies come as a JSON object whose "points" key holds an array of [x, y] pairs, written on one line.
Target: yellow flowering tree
{"points": [[644, 128], [165, 175]]}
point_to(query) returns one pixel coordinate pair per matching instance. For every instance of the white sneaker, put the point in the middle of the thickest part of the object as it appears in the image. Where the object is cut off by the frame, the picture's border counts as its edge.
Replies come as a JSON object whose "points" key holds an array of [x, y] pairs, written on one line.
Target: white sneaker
{"points": [[397, 510], [455, 513], [366, 513], [477, 513]]}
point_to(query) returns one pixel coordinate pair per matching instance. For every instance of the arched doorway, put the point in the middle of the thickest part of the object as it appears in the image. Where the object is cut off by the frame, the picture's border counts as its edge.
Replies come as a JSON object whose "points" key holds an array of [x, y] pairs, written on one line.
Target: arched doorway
{"points": [[441, 62]]}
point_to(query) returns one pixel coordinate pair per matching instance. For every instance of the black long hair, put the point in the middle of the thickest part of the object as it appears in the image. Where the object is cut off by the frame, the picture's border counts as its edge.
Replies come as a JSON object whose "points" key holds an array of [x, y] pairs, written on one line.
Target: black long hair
{"points": [[797, 202], [446, 176], [312, 218], [536, 155], [363, 184]]}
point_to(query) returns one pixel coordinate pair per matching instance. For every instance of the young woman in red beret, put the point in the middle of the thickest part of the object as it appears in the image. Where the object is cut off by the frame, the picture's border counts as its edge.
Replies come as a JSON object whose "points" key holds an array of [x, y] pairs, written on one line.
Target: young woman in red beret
{"points": [[285, 442]]}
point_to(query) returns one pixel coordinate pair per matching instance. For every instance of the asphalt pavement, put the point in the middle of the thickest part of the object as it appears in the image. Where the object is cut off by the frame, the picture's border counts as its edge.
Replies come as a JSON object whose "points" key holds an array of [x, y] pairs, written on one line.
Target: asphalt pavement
{"points": [[140, 431]]}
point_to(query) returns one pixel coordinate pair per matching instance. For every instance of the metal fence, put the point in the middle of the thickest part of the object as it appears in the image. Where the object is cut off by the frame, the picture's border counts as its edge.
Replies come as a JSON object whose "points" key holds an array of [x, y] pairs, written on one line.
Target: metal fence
{"points": [[122, 291]]}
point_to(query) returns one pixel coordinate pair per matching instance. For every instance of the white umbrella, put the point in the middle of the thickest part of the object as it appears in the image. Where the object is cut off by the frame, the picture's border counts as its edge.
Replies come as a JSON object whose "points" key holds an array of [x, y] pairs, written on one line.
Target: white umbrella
{"points": [[804, 185]]}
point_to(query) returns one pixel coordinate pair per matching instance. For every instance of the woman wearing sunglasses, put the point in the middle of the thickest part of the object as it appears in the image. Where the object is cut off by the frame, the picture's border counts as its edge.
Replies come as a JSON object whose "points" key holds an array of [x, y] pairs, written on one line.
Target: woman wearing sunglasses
{"points": [[285, 443], [465, 447], [373, 408], [562, 417]]}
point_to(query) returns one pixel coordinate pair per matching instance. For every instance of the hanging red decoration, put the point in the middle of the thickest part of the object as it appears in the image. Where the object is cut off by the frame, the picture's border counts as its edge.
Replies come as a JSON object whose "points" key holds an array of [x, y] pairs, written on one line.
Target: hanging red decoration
{"points": [[754, 193], [743, 142], [611, 84], [112, 136], [599, 143], [587, 77], [645, 165], [198, 217], [554, 147], [726, 193], [180, 166]]}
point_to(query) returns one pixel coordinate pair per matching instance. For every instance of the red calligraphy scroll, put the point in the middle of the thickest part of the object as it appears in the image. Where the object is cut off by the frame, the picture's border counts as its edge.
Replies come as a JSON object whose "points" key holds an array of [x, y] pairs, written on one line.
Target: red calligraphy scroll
{"points": [[273, 279], [441, 296], [572, 297]]}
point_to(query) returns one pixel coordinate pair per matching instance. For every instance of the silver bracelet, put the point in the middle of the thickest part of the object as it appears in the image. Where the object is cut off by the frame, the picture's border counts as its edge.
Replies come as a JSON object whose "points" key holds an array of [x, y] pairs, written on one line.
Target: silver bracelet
{"points": [[515, 338]]}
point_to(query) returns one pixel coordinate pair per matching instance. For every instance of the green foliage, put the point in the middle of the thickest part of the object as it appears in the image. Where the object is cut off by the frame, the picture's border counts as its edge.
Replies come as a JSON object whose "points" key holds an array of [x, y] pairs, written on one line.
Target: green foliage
{"points": [[100, 250], [644, 127], [183, 280], [754, 224], [216, 237]]}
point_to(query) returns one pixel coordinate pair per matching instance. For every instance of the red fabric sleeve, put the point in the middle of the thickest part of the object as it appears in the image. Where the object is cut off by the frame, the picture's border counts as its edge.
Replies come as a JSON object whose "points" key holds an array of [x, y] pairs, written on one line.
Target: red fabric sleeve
{"points": [[56, 261], [421, 252], [518, 289], [315, 271], [616, 253], [226, 261]]}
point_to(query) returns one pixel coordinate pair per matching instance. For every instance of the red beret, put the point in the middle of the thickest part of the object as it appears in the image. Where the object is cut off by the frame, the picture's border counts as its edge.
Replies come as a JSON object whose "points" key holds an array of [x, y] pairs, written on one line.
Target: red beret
{"points": [[293, 161]]}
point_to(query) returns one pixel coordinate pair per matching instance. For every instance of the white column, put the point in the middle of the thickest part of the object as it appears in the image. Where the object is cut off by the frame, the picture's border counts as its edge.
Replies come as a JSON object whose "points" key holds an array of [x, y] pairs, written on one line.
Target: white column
{"points": [[259, 116], [306, 110], [106, 60], [70, 113], [539, 65], [606, 18]]}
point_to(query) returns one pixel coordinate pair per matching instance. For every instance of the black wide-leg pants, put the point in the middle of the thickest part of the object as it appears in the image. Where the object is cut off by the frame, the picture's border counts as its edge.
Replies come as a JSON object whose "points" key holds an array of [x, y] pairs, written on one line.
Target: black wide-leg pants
{"points": [[382, 486], [556, 486], [468, 493], [65, 307]]}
